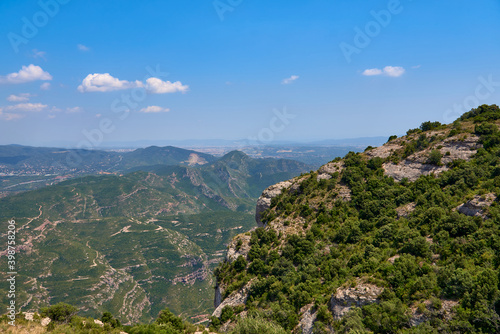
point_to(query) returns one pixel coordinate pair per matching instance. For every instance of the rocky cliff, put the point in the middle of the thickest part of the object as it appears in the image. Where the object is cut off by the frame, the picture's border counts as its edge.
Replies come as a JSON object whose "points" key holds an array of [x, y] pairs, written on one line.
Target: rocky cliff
{"points": [[368, 227]]}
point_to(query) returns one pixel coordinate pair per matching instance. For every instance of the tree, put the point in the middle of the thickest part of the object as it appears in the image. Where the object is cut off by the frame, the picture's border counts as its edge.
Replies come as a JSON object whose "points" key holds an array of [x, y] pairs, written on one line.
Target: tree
{"points": [[60, 312], [435, 157], [166, 317]]}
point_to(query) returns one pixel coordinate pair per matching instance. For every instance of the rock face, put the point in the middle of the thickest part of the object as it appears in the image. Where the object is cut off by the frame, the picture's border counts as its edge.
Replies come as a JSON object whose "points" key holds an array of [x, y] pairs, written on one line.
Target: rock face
{"points": [[405, 210], [347, 297], [234, 251], [453, 148], [235, 298], [476, 206], [411, 169], [45, 321], [307, 319], [445, 312], [264, 201]]}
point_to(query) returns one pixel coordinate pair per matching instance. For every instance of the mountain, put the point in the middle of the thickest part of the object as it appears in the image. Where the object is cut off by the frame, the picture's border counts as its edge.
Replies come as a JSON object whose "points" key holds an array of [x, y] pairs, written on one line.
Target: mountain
{"points": [[168, 155], [136, 243], [402, 238]]}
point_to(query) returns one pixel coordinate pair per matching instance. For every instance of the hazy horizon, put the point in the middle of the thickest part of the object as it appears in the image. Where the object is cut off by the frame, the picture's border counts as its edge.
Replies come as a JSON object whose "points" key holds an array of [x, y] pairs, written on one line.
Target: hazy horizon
{"points": [[83, 73]]}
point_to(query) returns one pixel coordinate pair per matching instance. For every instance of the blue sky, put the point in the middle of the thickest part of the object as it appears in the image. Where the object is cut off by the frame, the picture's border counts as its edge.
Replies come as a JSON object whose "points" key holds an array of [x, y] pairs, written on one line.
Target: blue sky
{"points": [[224, 69]]}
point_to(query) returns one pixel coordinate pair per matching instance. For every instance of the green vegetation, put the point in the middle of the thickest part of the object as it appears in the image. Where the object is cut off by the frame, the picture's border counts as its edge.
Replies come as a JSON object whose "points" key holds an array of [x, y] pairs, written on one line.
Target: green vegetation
{"points": [[64, 320], [430, 257], [135, 244]]}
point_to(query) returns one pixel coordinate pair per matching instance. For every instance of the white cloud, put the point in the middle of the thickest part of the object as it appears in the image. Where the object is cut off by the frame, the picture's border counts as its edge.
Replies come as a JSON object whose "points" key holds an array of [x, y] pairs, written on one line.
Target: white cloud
{"points": [[390, 71], [290, 80], [9, 116], [104, 82], [394, 71], [19, 98], [82, 47], [45, 86], [372, 71], [154, 109], [157, 86], [98, 115], [33, 107], [74, 109], [26, 74]]}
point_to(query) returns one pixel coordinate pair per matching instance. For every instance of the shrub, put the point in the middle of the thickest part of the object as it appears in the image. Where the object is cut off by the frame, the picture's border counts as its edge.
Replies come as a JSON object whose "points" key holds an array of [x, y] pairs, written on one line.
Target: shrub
{"points": [[392, 138], [435, 157], [166, 317], [60, 312], [240, 263], [255, 325]]}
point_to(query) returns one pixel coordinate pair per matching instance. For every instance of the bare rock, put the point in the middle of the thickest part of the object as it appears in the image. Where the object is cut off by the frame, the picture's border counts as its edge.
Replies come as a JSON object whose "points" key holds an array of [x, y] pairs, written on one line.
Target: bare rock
{"points": [[344, 193], [323, 176], [453, 148], [476, 206], [331, 167], [45, 321], [384, 151], [98, 322], [347, 297], [219, 291], [233, 252], [405, 210], [307, 318], [393, 258], [446, 312], [411, 169], [264, 201], [29, 316], [235, 298]]}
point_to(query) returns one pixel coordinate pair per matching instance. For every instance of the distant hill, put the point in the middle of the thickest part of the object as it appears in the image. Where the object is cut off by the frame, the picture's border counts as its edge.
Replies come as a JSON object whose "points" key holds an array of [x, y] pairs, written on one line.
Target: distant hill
{"points": [[168, 155], [136, 243]]}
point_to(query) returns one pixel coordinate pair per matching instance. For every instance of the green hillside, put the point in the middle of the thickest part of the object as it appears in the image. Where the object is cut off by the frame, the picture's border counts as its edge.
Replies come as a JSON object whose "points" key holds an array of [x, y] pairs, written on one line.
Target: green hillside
{"points": [[404, 238], [137, 243]]}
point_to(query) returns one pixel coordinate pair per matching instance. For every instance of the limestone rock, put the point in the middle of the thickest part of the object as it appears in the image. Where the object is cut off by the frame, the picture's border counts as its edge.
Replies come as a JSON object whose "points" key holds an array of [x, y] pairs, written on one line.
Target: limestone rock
{"points": [[235, 298], [233, 252], [98, 322], [264, 201], [331, 168], [453, 148], [476, 206], [383, 151], [446, 312], [405, 210], [307, 318], [45, 321], [29, 316], [347, 297]]}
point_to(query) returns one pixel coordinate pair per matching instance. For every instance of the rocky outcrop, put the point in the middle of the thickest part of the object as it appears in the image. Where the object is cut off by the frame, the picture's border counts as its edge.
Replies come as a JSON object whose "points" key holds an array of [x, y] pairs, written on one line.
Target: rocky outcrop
{"points": [[307, 318], [405, 210], [453, 148], [264, 201], [411, 169], [326, 171], [346, 298], [419, 316], [235, 298], [240, 245], [218, 295], [477, 205], [384, 151]]}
